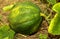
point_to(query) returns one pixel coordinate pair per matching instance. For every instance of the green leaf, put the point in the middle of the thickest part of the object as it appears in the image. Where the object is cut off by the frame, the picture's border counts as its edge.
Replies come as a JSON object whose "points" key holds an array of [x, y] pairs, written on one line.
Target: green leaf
{"points": [[6, 38], [43, 36], [6, 32], [56, 7], [51, 1], [11, 34]]}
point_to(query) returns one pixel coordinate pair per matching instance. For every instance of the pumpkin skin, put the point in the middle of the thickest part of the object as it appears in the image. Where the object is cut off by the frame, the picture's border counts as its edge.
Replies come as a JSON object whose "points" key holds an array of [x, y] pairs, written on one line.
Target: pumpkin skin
{"points": [[25, 18]]}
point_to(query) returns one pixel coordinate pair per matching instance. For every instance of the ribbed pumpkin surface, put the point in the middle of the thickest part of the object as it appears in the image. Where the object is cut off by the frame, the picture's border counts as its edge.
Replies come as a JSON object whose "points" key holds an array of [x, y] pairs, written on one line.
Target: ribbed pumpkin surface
{"points": [[25, 18]]}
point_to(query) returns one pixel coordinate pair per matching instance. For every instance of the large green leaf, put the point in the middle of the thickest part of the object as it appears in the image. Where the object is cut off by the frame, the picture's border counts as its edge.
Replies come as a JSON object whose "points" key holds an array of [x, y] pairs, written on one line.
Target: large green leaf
{"points": [[56, 7], [51, 1], [6, 32]]}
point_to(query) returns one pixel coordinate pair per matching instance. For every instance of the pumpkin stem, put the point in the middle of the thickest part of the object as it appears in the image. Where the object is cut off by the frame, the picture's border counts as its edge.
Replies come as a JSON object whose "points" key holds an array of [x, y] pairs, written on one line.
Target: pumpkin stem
{"points": [[7, 8]]}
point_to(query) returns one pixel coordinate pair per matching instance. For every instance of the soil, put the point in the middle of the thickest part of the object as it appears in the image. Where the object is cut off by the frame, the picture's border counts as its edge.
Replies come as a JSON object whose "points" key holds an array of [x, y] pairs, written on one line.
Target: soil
{"points": [[44, 25]]}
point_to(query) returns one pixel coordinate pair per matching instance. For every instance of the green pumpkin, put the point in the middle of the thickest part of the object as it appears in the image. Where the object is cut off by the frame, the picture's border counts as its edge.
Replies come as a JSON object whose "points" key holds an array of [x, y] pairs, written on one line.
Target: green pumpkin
{"points": [[25, 18]]}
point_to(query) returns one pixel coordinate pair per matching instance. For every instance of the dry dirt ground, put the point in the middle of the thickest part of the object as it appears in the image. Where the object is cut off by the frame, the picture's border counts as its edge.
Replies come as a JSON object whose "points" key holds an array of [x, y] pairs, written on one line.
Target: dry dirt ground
{"points": [[44, 25]]}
